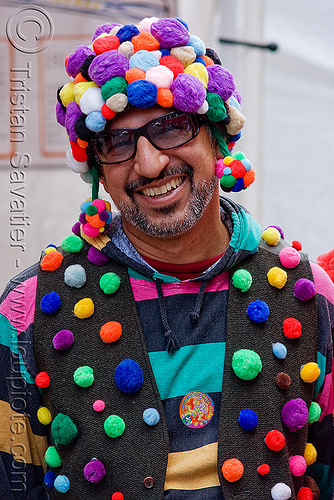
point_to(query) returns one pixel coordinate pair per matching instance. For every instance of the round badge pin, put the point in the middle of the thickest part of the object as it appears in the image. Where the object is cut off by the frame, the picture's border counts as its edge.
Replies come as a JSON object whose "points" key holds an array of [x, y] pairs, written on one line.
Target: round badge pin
{"points": [[196, 409]]}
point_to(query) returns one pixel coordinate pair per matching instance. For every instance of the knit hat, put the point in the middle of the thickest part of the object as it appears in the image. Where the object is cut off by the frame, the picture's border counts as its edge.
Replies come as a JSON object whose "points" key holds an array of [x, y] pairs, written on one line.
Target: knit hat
{"points": [[154, 62]]}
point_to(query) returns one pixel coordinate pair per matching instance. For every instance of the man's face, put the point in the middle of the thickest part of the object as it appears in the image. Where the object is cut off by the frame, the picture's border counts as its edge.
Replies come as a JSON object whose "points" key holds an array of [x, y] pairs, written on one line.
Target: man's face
{"points": [[162, 193]]}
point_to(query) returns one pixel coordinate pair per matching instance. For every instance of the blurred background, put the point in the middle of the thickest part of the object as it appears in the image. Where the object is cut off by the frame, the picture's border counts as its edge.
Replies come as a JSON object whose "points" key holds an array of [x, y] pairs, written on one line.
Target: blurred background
{"points": [[288, 99]]}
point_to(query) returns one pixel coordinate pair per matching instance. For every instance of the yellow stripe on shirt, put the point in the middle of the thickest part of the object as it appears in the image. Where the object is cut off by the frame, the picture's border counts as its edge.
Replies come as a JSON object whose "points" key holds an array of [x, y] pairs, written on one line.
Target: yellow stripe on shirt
{"points": [[193, 470]]}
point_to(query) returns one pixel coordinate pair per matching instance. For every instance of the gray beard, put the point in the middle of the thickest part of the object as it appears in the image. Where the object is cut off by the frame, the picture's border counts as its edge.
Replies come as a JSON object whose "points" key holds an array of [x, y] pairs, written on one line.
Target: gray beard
{"points": [[200, 195]]}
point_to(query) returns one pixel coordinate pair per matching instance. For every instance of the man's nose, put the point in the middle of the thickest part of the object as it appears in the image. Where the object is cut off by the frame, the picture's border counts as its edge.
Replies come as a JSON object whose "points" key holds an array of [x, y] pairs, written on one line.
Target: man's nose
{"points": [[149, 161]]}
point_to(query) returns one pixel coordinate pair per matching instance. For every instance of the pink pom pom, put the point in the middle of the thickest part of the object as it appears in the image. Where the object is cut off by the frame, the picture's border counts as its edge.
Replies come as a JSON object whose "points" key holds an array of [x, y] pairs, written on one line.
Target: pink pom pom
{"points": [[90, 231], [161, 76], [99, 405], [289, 257], [297, 465], [220, 165], [99, 204]]}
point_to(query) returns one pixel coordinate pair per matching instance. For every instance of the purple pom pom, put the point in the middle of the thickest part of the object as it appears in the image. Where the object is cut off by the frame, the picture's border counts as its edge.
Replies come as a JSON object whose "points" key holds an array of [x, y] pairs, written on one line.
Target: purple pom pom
{"points": [[129, 376], [258, 311], [77, 58], [63, 340], [73, 112], [304, 289], [127, 32], [82, 218], [279, 229], [94, 471], [170, 33], [104, 28], [96, 257], [188, 93], [104, 215], [238, 96], [142, 93], [295, 414], [60, 114], [76, 229], [108, 65], [220, 81]]}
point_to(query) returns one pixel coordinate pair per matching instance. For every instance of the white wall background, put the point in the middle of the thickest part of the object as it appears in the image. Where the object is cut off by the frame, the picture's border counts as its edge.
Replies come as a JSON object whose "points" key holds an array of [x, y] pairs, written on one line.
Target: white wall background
{"points": [[289, 135]]}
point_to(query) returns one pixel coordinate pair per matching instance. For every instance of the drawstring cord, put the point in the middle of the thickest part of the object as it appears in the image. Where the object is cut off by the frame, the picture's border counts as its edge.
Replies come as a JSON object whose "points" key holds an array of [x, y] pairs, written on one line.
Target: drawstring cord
{"points": [[172, 344], [194, 315]]}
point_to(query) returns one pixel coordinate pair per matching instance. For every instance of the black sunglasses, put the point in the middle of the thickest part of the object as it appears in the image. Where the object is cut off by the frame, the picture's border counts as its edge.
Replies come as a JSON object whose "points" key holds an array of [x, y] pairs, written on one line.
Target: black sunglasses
{"points": [[165, 132]]}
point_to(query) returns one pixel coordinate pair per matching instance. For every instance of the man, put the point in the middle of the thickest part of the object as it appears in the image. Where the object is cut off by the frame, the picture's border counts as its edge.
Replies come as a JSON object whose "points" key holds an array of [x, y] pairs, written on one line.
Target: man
{"points": [[139, 319]]}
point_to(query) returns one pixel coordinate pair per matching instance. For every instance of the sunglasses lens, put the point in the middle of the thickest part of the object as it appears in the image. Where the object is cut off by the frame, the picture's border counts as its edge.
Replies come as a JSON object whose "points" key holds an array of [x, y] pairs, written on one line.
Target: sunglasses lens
{"points": [[171, 131], [114, 146]]}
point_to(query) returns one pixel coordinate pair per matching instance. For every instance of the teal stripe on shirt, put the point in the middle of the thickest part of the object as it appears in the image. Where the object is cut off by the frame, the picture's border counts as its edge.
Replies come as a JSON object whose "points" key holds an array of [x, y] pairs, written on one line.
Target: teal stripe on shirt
{"points": [[193, 367], [321, 360]]}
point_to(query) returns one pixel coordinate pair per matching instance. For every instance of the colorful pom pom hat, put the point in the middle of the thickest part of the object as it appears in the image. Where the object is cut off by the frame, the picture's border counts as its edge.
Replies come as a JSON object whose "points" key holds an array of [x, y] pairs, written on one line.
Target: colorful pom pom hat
{"points": [[154, 62]]}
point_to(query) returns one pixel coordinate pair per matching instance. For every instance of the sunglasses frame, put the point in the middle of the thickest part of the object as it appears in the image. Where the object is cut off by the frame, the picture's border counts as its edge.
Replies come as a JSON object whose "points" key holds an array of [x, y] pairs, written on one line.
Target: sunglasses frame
{"points": [[194, 120]]}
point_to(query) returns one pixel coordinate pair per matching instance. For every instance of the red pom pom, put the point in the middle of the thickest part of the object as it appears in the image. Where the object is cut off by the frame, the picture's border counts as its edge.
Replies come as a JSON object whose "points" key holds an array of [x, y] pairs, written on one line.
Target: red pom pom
{"points": [[238, 169], [172, 63], [117, 496], [305, 493], [263, 469], [107, 112], [109, 42], [297, 245], [326, 261], [275, 440], [79, 154], [42, 380], [292, 328]]}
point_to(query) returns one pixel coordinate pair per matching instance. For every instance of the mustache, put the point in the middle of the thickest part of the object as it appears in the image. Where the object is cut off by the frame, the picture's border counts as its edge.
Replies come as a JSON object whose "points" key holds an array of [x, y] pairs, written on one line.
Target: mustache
{"points": [[182, 169]]}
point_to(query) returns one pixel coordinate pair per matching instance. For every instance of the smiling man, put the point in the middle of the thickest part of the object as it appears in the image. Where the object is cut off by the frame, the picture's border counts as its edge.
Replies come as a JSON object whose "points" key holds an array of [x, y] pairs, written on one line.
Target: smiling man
{"points": [[165, 352]]}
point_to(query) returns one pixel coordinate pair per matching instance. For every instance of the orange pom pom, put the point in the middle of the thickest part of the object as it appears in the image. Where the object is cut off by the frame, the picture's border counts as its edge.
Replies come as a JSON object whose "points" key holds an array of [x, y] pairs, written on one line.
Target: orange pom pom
{"points": [[134, 74], [82, 144], [79, 78], [95, 221], [105, 43], [111, 331], [145, 41], [208, 60], [51, 261], [232, 470], [164, 98], [79, 154], [249, 177], [107, 112]]}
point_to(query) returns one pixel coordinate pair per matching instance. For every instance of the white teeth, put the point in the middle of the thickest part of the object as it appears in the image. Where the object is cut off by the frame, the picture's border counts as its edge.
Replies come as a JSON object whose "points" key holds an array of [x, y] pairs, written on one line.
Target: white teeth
{"points": [[157, 191]]}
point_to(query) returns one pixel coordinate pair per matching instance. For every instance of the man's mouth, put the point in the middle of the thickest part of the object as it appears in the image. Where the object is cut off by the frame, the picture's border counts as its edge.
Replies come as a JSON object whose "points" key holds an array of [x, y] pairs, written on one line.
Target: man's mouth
{"points": [[164, 189]]}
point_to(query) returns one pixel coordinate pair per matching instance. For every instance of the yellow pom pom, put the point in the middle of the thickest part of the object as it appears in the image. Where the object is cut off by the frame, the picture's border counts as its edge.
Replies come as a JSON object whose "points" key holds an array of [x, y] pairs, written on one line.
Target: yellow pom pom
{"points": [[44, 415], [66, 94], [277, 277], [79, 89], [310, 372], [227, 160], [271, 235], [84, 308], [50, 249], [310, 454], [200, 71], [108, 206]]}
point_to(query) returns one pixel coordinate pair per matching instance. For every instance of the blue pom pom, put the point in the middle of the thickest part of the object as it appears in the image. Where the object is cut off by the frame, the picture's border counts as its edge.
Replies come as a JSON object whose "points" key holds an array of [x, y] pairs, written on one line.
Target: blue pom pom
{"points": [[227, 171], [246, 163], [236, 137], [164, 52], [258, 311], [200, 60], [142, 93], [129, 376], [248, 419], [50, 303], [238, 186], [183, 22], [126, 32], [95, 121], [143, 59], [197, 44], [151, 416], [280, 350], [49, 478], [51, 245], [85, 204], [234, 102], [75, 276], [62, 484]]}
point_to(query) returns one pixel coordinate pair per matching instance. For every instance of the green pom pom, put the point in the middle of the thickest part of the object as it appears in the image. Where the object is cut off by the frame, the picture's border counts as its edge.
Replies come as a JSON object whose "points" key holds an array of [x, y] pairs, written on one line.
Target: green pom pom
{"points": [[114, 426], [109, 282], [91, 210], [72, 243], [83, 376], [242, 279], [228, 181], [246, 364], [217, 110], [239, 155], [116, 85], [52, 457], [314, 412], [63, 430]]}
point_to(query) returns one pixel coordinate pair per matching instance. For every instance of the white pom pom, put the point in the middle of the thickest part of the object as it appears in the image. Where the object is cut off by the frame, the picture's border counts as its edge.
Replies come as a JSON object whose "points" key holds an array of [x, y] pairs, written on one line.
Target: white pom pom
{"points": [[145, 24], [126, 49], [117, 102], [237, 122], [204, 108], [77, 166], [115, 30], [280, 491], [157, 53], [91, 100], [161, 76]]}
